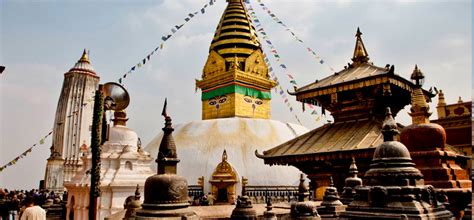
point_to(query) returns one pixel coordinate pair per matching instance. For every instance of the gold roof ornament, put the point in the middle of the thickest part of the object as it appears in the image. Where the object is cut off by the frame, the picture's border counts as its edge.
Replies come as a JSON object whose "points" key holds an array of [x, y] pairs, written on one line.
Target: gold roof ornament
{"points": [[84, 57], [84, 64], [419, 107], [360, 53]]}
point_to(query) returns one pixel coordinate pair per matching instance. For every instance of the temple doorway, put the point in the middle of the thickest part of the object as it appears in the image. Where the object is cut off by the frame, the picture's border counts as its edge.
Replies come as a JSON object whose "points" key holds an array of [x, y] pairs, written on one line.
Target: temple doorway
{"points": [[223, 182], [222, 195]]}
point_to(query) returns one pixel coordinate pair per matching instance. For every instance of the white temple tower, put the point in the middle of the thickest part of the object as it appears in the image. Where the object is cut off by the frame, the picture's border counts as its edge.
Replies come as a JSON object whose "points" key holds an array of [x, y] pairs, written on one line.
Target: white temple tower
{"points": [[72, 124], [124, 165]]}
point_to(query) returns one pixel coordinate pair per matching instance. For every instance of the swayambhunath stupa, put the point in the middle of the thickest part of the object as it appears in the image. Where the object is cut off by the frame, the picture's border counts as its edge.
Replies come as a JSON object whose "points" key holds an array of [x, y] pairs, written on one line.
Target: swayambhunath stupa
{"points": [[261, 117]]}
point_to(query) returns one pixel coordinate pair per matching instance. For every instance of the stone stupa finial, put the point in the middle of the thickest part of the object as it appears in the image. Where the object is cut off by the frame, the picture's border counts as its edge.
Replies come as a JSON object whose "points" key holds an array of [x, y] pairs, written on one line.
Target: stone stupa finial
{"points": [[350, 183], [389, 126], [304, 209], [167, 158]]}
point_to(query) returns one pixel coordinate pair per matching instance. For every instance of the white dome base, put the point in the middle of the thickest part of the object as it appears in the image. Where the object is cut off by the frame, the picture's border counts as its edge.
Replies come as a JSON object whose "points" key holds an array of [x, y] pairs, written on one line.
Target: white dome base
{"points": [[200, 145]]}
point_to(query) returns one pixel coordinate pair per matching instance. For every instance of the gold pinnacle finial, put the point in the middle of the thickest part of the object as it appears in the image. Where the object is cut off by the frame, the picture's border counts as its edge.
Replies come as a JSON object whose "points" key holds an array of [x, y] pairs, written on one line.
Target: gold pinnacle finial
{"points": [[84, 57], [419, 107], [417, 76], [360, 53], [358, 34]]}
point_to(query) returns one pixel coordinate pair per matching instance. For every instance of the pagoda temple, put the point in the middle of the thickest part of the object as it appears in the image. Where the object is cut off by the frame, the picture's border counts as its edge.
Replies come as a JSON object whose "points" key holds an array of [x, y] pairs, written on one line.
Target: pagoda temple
{"points": [[356, 97]]}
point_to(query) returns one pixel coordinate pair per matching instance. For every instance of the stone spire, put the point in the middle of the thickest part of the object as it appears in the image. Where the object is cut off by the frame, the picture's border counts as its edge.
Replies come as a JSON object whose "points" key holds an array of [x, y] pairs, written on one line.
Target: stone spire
{"points": [[360, 53], [350, 183], [166, 193], [389, 126], [303, 191], [419, 107], [167, 158], [304, 209]]}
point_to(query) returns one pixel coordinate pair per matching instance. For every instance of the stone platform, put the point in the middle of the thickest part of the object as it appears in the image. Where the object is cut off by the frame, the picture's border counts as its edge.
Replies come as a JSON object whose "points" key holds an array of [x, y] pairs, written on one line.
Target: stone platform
{"points": [[224, 211]]}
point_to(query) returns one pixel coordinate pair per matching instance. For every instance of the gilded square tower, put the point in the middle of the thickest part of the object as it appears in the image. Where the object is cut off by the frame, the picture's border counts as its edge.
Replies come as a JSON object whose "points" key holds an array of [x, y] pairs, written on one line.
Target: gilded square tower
{"points": [[235, 80]]}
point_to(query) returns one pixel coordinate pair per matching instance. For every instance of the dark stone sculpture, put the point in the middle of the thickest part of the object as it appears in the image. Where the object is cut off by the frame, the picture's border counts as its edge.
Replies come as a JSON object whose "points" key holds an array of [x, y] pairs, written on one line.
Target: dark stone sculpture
{"points": [[393, 187]]}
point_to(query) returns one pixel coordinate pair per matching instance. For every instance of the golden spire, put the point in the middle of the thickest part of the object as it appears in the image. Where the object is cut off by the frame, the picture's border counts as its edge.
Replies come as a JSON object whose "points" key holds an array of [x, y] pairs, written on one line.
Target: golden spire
{"points": [[360, 53], [419, 107], [235, 79], [235, 34], [84, 57]]}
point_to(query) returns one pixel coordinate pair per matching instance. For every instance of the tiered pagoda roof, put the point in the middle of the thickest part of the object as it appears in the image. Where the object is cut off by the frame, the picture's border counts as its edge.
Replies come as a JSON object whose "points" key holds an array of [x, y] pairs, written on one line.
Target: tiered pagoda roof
{"points": [[357, 97]]}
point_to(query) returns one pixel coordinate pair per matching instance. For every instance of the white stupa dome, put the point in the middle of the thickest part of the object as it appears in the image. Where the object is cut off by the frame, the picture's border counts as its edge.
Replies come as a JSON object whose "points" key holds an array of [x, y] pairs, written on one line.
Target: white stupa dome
{"points": [[200, 145]]}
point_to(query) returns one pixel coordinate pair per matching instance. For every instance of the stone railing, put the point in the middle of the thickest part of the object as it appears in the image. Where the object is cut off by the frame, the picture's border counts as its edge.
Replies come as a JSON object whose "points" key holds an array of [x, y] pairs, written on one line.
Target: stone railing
{"points": [[258, 194], [195, 191]]}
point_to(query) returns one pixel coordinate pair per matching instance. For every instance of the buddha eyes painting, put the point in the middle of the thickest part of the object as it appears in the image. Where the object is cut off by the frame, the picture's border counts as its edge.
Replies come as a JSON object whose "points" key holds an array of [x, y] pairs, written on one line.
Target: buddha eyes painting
{"points": [[217, 101]]}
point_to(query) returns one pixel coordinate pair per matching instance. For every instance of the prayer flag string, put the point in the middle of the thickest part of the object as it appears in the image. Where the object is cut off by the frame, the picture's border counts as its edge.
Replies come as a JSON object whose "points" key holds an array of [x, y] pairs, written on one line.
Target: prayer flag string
{"points": [[41, 141], [164, 38], [309, 49], [22, 155], [277, 57]]}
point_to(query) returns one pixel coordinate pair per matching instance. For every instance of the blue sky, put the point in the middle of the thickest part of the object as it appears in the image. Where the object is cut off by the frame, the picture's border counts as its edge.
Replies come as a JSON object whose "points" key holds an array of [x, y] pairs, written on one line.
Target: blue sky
{"points": [[41, 40]]}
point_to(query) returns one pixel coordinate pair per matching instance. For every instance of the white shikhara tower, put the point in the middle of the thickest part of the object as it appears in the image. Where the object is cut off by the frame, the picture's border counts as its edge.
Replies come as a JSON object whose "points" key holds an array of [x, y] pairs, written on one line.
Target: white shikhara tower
{"points": [[72, 124]]}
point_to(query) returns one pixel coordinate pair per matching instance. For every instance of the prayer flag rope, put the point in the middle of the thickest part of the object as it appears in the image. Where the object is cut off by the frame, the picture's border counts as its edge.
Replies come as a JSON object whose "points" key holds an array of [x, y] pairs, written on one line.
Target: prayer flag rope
{"points": [[164, 38], [309, 49], [277, 57], [15, 160], [40, 142], [273, 50], [280, 88]]}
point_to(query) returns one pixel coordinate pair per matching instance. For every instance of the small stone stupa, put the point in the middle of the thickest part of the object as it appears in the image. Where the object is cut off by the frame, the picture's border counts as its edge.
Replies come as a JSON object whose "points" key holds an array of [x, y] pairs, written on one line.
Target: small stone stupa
{"points": [[244, 209], [304, 209], [166, 193], [393, 187], [350, 183], [132, 204], [331, 206]]}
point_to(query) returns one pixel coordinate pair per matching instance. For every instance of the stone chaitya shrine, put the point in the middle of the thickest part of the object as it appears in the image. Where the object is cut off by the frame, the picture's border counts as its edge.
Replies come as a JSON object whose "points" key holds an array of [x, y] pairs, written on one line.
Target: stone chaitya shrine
{"points": [[393, 186], [166, 193]]}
